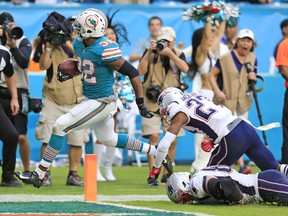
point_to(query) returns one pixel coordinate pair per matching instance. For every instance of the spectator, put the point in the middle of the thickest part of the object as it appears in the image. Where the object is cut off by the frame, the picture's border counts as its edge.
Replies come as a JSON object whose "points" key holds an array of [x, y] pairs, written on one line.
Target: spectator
{"points": [[20, 48], [154, 25], [207, 48], [93, 49], [60, 98], [284, 30], [8, 133], [161, 64], [231, 71], [231, 32], [282, 64]]}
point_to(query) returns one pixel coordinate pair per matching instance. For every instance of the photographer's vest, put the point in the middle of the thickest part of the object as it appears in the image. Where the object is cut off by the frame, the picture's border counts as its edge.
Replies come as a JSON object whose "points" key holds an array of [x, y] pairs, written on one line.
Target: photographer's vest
{"points": [[156, 75], [22, 80], [62, 93], [235, 84]]}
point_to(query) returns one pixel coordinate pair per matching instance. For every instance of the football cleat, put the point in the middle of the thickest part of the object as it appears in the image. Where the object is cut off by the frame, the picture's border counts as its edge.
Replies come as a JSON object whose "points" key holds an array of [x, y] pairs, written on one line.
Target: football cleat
{"points": [[29, 178], [153, 175], [167, 163]]}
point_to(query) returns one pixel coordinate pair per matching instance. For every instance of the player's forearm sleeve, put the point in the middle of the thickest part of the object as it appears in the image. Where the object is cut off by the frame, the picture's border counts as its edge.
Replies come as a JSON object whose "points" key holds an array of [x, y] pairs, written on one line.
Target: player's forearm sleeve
{"points": [[163, 148]]}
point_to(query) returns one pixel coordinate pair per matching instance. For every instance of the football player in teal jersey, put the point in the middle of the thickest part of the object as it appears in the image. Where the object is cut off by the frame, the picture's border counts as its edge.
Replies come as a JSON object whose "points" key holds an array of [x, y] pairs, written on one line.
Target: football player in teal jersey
{"points": [[97, 57]]}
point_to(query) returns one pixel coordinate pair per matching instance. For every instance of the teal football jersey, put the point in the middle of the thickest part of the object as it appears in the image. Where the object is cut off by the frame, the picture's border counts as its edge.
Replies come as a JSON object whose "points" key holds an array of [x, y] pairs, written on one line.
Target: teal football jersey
{"points": [[98, 78]]}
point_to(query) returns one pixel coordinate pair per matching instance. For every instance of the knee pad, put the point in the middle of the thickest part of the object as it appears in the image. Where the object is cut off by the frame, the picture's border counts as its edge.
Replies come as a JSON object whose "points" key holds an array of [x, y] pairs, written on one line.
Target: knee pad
{"points": [[225, 189], [109, 142], [58, 130]]}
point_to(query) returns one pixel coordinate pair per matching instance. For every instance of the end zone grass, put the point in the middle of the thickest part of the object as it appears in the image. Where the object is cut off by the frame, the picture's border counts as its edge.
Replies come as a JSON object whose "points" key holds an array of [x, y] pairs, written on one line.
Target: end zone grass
{"points": [[131, 180]]}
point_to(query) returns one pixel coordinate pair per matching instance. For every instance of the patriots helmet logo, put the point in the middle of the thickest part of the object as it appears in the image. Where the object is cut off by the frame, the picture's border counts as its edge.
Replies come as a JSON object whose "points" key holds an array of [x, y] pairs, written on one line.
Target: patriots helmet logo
{"points": [[171, 190]]}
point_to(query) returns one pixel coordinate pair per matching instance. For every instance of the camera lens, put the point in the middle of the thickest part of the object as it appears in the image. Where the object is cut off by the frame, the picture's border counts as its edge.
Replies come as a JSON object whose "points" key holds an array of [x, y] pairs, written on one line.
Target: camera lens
{"points": [[160, 46]]}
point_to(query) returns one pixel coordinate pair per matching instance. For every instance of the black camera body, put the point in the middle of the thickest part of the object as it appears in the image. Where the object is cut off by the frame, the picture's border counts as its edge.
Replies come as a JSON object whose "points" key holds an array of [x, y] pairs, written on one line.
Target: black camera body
{"points": [[13, 32], [35, 105], [55, 38], [183, 86], [153, 92], [160, 45]]}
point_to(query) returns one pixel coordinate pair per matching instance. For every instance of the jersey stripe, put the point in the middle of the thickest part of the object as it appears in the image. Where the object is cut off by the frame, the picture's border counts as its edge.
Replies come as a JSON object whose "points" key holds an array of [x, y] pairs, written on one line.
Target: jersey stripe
{"points": [[86, 118], [111, 53]]}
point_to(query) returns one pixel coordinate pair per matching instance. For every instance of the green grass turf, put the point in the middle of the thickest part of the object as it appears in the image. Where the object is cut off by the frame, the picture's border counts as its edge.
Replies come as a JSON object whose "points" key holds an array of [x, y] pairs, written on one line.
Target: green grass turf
{"points": [[131, 180]]}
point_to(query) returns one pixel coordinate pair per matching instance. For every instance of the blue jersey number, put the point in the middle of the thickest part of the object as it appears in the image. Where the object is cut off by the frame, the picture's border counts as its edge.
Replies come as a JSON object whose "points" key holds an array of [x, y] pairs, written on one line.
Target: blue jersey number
{"points": [[199, 108]]}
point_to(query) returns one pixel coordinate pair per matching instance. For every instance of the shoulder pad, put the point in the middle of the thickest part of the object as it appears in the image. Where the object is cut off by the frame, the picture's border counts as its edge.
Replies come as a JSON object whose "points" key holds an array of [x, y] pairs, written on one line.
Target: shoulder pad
{"points": [[172, 109]]}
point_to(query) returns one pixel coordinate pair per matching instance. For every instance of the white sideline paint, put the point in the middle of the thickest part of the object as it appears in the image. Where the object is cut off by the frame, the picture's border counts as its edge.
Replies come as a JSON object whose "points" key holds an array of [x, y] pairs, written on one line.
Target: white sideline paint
{"points": [[80, 198], [101, 199]]}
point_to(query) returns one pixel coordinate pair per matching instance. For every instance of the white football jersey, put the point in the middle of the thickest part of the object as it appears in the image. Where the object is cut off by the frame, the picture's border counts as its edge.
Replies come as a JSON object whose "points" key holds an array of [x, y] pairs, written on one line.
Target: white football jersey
{"points": [[205, 117], [248, 184]]}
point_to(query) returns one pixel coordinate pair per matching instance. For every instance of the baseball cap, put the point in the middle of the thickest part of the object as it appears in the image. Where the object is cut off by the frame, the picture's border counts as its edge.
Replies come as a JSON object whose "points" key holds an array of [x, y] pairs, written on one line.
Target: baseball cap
{"points": [[166, 33], [246, 33], [6, 18]]}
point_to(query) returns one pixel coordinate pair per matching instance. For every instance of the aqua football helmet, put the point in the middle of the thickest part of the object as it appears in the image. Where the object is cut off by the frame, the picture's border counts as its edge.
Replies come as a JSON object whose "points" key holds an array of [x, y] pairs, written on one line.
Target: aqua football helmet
{"points": [[178, 187], [91, 23]]}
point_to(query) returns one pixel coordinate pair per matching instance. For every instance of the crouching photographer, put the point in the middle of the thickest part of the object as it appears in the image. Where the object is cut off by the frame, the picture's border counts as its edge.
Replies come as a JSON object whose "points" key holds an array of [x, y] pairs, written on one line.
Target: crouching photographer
{"points": [[20, 48], [161, 64]]}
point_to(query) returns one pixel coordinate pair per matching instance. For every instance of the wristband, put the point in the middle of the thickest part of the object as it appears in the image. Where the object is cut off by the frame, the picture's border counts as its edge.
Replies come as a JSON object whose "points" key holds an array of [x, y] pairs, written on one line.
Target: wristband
{"points": [[139, 101], [48, 49]]}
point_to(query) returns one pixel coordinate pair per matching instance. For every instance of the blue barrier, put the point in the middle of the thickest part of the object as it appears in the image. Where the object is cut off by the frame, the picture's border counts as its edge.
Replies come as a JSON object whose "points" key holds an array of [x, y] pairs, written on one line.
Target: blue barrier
{"points": [[264, 20]]}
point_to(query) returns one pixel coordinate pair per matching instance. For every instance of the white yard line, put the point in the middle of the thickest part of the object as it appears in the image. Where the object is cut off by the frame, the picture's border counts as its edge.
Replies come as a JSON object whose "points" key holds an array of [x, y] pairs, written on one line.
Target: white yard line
{"points": [[80, 198]]}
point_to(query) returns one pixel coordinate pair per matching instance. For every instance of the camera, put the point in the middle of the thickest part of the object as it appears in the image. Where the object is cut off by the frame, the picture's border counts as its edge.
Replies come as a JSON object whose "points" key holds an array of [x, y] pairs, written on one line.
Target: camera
{"points": [[13, 32], [153, 92], [35, 105], [183, 86], [57, 38], [56, 29], [160, 45]]}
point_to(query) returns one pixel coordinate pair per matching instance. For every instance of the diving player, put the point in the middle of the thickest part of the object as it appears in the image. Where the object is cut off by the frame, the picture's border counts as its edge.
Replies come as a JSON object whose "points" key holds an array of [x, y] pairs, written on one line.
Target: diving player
{"points": [[233, 135], [225, 184]]}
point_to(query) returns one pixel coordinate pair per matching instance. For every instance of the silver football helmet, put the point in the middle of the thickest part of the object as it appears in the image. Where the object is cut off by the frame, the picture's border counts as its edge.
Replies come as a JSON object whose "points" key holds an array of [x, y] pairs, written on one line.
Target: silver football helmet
{"points": [[167, 97], [90, 23], [178, 187]]}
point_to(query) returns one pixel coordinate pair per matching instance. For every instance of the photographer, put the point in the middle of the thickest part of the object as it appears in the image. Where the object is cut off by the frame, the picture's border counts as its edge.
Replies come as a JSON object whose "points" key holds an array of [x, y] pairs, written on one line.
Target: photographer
{"points": [[20, 47], [233, 78], [60, 97], [162, 65]]}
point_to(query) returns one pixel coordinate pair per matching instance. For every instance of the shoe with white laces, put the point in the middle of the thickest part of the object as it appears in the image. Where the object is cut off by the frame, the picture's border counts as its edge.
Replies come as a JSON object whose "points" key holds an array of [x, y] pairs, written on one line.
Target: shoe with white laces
{"points": [[29, 178]]}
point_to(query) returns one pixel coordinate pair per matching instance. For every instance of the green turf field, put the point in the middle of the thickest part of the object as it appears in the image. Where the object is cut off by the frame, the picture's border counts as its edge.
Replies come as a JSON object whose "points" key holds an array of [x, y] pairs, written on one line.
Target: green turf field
{"points": [[131, 181]]}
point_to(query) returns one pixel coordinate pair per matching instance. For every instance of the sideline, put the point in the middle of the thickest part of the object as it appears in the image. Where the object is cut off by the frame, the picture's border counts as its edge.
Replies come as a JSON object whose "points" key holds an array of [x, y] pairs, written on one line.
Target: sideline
{"points": [[80, 198]]}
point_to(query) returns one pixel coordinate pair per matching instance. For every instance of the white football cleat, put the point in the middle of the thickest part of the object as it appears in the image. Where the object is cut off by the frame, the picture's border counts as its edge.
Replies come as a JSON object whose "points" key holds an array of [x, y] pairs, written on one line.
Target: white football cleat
{"points": [[108, 174], [100, 177]]}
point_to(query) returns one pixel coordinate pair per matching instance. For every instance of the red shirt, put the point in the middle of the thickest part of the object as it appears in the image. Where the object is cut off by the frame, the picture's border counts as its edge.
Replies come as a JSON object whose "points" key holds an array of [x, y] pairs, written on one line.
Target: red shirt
{"points": [[282, 56]]}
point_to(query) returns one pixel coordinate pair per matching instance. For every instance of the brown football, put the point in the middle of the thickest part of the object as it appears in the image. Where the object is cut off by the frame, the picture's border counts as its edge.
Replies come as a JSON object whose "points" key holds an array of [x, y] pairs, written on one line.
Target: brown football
{"points": [[69, 66]]}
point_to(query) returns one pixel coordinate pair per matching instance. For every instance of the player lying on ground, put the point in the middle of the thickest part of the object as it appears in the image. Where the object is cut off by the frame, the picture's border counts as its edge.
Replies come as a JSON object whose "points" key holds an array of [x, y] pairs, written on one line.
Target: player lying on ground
{"points": [[232, 135], [223, 184]]}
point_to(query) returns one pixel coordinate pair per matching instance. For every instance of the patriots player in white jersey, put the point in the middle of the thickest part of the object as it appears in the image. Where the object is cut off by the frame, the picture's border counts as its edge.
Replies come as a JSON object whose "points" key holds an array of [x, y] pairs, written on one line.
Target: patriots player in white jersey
{"points": [[223, 184], [232, 135], [97, 57]]}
